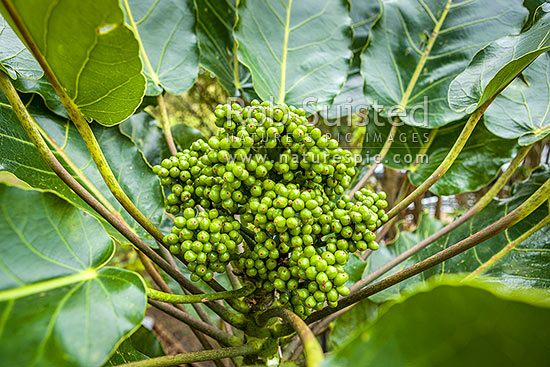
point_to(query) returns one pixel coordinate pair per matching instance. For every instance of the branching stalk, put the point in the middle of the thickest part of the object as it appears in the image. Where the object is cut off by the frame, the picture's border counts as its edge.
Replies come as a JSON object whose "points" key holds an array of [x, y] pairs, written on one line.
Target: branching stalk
{"points": [[214, 332], [312, 348], [199, 298], [206, 355], [157, 279]]}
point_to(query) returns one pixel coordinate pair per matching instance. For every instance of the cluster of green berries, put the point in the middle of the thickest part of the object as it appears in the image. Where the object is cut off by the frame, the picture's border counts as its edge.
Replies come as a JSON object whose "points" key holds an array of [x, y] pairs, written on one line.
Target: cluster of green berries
{"points": [[280, 177], [206, 240]]}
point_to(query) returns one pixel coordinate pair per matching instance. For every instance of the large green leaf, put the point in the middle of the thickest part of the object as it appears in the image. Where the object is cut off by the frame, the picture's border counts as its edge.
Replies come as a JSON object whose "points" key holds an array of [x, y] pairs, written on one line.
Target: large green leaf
{"points": [[525, 266], [345, 326], [147, 134], [91, 52], [14, 57], [399, 43], [59, 306], [169, 46], [142, 344], [495, 66], [19, 156], [215, 22], [477, 164], [351, 99], [295, 49], [521, 110], [452, 326]]}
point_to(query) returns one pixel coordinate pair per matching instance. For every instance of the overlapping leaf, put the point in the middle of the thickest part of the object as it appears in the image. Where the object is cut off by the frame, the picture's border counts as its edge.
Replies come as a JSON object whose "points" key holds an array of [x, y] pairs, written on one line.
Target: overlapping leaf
{"points": [[44, 89], [392, 64], [292, 52], [15, 59], [495, 66], [169, 51], [91, 53], [351, 99], [58, 304], [19, 156], [452, 326], [521, 111]]}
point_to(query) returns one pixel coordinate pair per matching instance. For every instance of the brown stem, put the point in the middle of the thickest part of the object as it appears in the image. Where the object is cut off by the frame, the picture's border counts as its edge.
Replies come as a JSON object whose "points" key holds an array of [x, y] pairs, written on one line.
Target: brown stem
{"points": [[206, 355], [222, 337], [166, 125], [509, 247]]}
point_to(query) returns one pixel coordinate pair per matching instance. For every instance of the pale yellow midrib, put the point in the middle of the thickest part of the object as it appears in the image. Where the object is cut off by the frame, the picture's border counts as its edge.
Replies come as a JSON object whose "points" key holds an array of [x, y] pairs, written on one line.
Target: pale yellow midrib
{"points": [[146, 61], [47, 285], [285, 51], [424, 57]]}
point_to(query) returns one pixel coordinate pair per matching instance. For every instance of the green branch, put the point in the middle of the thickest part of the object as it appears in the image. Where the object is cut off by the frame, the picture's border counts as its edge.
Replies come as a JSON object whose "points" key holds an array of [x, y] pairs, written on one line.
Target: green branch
{"points": [[166, 125], [312, 348], [251, 347], [213, 332], [199, 298]]}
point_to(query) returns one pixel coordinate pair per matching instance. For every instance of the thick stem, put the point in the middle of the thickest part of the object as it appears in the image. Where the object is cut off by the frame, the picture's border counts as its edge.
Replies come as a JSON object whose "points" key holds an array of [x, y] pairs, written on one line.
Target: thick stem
{"points": [[166, 125], [206, 355], [532, 203], [34, 134], [447, 162], [199, 298], [235, 282], [312, 348], [213, 332], [499, 255], [478, 207]]}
